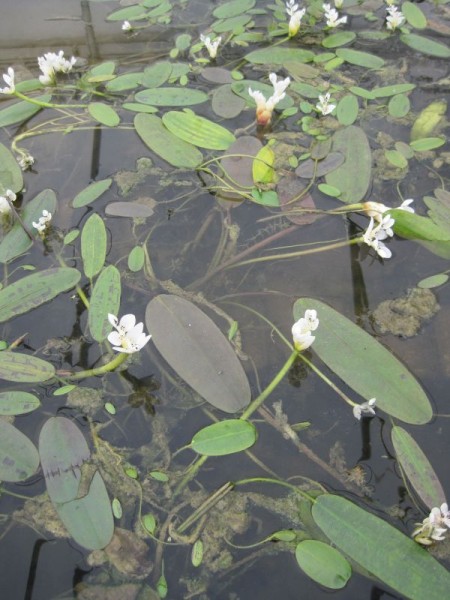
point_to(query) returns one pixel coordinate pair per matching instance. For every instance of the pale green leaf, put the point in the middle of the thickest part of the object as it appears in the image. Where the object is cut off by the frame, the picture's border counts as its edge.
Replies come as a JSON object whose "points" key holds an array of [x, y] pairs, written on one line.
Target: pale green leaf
{"points": [[323, 564], [104, 114], [173, 96], [347, 110], [105, 299], [396, 158], [91, 193], [224, 437], [93, 245], [197, 130], [433, 281], [425, 144], [399, 106], [233, 8], [17, 403], [279, 56], [136, 259], [340, 38], [24, 368], [425, 45], [414, 15], [10, 173], [361, 59], [21, 111]]}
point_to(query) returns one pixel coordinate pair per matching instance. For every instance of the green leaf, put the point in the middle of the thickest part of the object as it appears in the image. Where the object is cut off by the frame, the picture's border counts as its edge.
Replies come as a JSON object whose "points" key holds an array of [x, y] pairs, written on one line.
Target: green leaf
{"points": [[137, 107], [359, 91], [105, 68], [198, 351], [305, 89], [360, 59], [415, 227], [17, 403], [105, 299], [424, 144], [10, 172], [36, 289], [135, 12], [233, 8], [91, 193], [149, 522], [104, 114], [279, 56], [263, 171], [392, 90], [365, 365], [224, 437], [323, 564], [265, 197], [93, 245], [19, 458], [385, 552], [156, 74], [128, 81], [399, 106], [16, 241], [329, 190], [172, 96], [417, 468], [136, 259], [353, 176], [433, 281], [21, 111], [339, 38], [197, 553], [71, 236], [169, 147], [130, 210], [396, 158], [24, 368], [428, 120], [414, 15], [425, 45], [197, 130], [347, 110]]}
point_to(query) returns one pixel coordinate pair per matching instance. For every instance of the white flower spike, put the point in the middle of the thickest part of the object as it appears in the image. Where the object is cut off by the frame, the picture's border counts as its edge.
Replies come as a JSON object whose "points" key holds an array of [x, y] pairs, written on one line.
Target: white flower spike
{"points": [[264, 107], [301, 330], [433, 527], [129, 337], [43, 222], [373, 236], [332, 16], [26, 161], [127, 26], [376, 209], [9, 80], [394, 19], [295, 15], [50, 64], [324, 106], [366, 409], [5, 206], [211, 46]]}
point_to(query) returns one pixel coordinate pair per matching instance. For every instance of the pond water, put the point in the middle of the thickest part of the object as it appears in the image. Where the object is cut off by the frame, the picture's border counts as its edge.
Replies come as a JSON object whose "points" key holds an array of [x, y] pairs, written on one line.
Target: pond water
{"points": [[144, 153]]}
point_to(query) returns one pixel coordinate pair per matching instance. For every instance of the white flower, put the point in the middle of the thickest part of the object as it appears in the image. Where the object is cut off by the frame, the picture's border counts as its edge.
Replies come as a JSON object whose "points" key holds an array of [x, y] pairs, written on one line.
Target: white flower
{"points": [[26, 161], [365, 408], [324, 106], [434, 526], [129, 337], [211, 46], [52, 63], [296, 17], [9, 80], [127, 26], [264, 108], [301, 330], [332, 16], [376, 209], [5, 205], [395, 18], [373, 236], [43, 222]]}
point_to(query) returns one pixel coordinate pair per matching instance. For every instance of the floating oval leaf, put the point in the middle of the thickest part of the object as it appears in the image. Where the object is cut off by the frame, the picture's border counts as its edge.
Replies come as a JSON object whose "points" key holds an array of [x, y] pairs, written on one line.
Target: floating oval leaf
{"points": [[309, 167], [36, 289], [21, 111], [425, 144], [91, 193], [93, 245], [172, 149], [233, 8], [396, 158], [128, 81], [399, 106], [137, 107], [217, 75], [104, 114], [156, 74], [365, 365], [338, 39], [361, 59], [136, 259], [352, 178], [197, 553], [279, 56], [10, 172], [233, 24], [130, 13], [198, 351], [19, 458], [198, 130], [175, 96], [131, 210], [425, 45], [433, 281], [263, 171], [417, 468], [17, 403], [414, 15], [105, 299], [347, 110], [324, 564], [392, 90], [224, 437], [381, 549], [24, 368]]}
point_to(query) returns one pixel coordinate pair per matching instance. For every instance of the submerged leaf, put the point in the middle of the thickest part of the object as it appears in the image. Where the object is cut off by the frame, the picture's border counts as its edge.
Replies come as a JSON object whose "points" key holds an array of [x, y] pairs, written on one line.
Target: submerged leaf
{"points": [[10, 173], [198, 352], [365, 365], [19, 457], [429, 118]]}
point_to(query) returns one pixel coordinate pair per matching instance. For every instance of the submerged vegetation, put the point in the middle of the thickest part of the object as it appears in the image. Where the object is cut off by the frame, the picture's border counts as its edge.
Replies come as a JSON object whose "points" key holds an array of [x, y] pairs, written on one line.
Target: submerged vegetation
{"points": [[262, 123]]}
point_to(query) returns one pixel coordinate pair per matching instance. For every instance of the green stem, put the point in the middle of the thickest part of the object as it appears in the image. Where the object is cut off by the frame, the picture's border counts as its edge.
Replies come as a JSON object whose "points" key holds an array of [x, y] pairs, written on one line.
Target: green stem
{"points": [[278, 482], [327, 381], [113, 364], [269, 389], [47, 104]]}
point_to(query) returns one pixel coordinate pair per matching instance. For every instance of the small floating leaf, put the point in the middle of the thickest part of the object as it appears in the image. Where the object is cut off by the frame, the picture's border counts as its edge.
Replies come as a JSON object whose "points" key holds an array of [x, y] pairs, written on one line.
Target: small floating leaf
{"points": [[263, 171], [424, 144], [217, 75], [149, 523], [17, 403], [172, 149], [224, 437], [396, 158], [347, 110], [338, 39], [36, 289], [414, 15], [65, 389], [131, 210], [392, 90], [130, 13], [116, 508], [104, 114], [197, 130], [417, 468], [93, 245], [399, 106], [361, 59], [233, 8], [323, 563], [128, 81], [136, 259], [425, 45], [105, 299], [279, 56], [159, 476], [19, 457], [225, 103], [174, 96], [91, 193], [329, 190], [348, 351], [309, 167], [197, 553], [198, 352], [156, 74], [433, 281]]}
